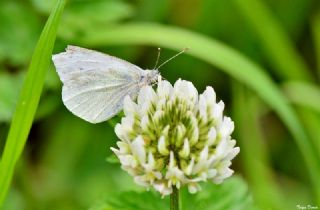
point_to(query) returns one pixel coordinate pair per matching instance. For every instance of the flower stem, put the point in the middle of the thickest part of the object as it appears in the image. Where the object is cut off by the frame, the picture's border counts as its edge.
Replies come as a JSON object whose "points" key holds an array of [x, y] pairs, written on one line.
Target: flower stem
{"points": [[174, 199]]}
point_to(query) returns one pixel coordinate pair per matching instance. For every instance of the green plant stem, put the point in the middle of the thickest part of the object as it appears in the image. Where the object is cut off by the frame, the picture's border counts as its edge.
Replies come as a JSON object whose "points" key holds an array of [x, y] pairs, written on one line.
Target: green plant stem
{"points": [[174, 199], [28, 100]]}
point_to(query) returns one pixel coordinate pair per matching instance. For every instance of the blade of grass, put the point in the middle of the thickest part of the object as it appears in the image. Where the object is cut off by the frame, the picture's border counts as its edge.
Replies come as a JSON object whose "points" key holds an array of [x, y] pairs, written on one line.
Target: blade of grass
{"points": [[277, 45], [303, 94], [266, 193], [315, 24], [311, 121], [29, 99], [306, 97], [224, 57]]}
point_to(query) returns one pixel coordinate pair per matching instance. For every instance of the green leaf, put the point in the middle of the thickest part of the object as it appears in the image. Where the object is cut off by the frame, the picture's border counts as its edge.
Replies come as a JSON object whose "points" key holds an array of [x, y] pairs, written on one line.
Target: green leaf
{"points": [[29, 99], [232, 194], [134, 201]]}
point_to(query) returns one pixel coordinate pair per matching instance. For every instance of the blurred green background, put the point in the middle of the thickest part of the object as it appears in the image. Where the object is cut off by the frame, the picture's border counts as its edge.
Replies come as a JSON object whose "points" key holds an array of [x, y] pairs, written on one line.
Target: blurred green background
{"points": [[64, 165]]}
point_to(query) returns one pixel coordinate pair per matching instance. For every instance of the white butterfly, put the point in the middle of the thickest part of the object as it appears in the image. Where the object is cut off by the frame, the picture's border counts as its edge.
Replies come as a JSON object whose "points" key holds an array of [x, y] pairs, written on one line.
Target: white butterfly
{"points": [[95, 84]]}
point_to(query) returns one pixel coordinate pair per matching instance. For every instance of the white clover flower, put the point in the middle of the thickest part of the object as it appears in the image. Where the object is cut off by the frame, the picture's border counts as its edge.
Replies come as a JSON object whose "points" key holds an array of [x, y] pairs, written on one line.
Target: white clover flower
{"points": [[175, 137]]}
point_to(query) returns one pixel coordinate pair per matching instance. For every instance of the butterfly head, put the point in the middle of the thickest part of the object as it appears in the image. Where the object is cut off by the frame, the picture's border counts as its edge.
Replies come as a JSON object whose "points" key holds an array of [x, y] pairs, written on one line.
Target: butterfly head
{"points": [[150, 77]]}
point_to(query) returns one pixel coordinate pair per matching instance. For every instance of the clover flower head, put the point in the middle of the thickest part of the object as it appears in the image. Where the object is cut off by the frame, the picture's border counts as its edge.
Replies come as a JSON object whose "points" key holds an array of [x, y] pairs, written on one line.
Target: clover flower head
{"points": [[175, 137]]}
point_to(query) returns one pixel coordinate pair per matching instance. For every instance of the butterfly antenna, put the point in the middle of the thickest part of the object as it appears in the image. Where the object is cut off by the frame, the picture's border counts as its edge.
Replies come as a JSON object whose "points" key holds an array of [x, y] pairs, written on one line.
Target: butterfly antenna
{"points": [[159, 50], [179, 53]]}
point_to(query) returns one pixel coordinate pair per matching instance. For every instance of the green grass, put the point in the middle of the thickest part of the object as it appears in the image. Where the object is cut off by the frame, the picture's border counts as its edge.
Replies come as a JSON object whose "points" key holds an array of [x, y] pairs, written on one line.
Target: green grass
{"points": [[29, 99], [315, 23], [303, 94], [255, 161], [277, 45]]}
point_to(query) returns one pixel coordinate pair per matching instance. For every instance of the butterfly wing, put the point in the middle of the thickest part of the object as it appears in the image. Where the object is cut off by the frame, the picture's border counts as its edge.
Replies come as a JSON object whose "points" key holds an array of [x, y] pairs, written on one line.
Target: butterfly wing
{"points": [[95, 84]]}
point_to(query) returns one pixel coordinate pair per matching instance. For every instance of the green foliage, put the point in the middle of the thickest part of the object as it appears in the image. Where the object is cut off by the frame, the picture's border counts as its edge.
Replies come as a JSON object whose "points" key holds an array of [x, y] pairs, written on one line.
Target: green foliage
{"points": [[28, 101], [310, 92], [105, 13], [232, 195], [134, 200], [44, 6], [276, 43], [316, 38], [266, 194]]}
